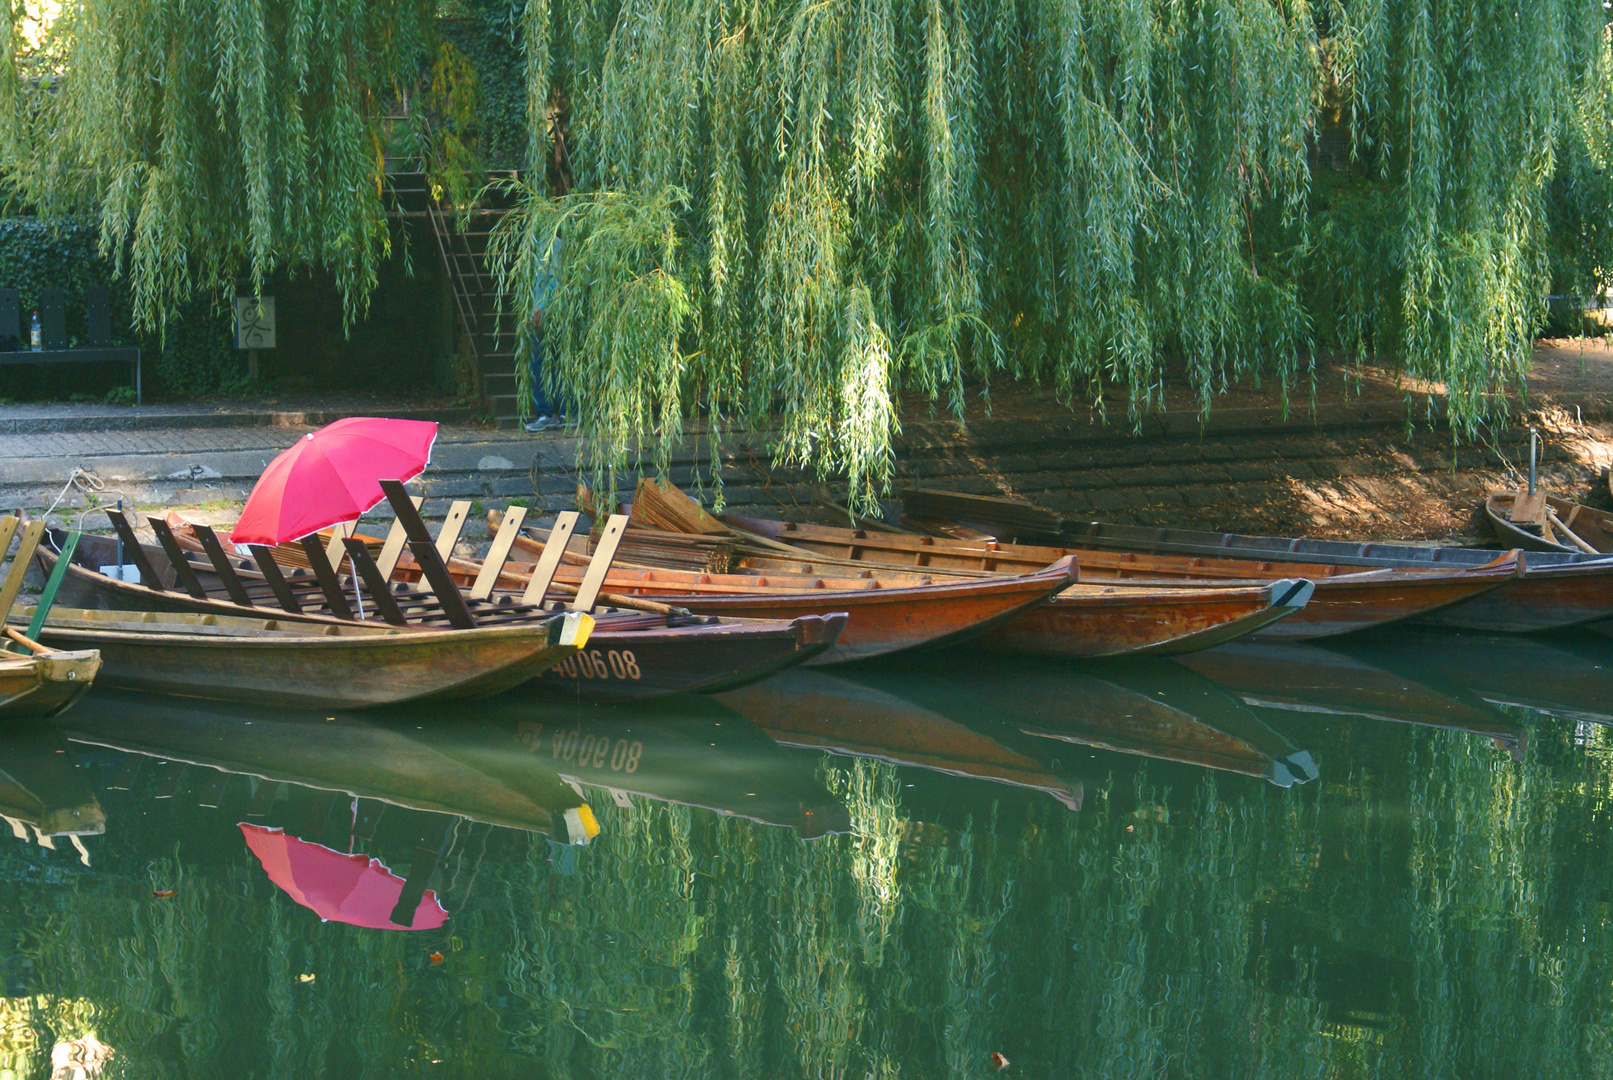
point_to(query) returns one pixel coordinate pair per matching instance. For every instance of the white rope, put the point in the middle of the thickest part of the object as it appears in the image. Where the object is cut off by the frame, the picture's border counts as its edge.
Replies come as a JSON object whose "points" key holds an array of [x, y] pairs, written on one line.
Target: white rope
{"points": [[92, 486]]}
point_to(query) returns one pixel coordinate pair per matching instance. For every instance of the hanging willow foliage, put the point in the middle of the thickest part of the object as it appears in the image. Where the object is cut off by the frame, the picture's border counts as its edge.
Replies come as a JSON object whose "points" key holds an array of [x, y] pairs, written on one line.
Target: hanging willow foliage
{"points": [[213, 137], [886, 197], [799, 211]]}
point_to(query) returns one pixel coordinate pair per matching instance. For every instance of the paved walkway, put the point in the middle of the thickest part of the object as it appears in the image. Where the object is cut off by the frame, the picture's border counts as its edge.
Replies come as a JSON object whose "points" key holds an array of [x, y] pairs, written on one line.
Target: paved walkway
{"points": [[177, 466]]}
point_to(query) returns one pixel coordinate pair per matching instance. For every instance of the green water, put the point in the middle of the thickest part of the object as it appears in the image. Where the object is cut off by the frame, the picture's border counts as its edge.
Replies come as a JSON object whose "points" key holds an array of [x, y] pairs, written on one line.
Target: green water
{"points": [[1389, 861]]}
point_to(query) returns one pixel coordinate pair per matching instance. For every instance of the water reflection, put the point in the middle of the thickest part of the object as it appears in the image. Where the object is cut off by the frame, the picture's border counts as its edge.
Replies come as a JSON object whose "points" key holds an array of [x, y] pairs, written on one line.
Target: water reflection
{"points": [[1260, 861]]}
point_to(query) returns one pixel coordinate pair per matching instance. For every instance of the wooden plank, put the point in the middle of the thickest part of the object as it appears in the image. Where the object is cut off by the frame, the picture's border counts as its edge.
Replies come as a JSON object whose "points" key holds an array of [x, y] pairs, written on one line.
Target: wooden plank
{"points": [[221, 564], [375, 583], [432, 566], [326, 576], [320, 805], [452, 526], [53, 585], [549, 560], [8, 529], [395, 539], [435, 571], [263, 555], [132, 549], [593, 579], [176, 558], [498, 554], [334, 551], [1528, 509], [407, 510], [19, 566]]}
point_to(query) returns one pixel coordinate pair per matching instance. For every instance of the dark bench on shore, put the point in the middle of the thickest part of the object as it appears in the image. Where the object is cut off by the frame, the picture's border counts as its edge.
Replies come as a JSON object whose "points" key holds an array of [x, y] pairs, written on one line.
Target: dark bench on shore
{"points": [[98, 348]]}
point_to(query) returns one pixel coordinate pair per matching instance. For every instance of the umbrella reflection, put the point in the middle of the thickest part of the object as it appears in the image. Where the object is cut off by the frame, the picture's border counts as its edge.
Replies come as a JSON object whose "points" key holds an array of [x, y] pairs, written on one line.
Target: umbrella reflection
{"points": [[338, 887]]}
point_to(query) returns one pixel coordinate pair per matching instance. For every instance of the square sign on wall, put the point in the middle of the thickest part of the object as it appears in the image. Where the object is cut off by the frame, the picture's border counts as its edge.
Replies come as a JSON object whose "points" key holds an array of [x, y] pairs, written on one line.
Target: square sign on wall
{"points": [[254, 322]]}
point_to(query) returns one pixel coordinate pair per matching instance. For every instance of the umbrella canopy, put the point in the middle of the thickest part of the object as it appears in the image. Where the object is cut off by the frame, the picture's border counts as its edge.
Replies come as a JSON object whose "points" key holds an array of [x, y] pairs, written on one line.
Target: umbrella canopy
{"points": [[337, 887], [332, 475]]}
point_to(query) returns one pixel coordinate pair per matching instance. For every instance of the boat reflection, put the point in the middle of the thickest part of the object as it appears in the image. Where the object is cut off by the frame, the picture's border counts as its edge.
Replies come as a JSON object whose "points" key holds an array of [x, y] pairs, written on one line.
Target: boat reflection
{"points": [[1033, 724], [43, 792], [374, 757], [1567, 675], [1144, 708], [849, 717], [1307, 681], [686, 750]]}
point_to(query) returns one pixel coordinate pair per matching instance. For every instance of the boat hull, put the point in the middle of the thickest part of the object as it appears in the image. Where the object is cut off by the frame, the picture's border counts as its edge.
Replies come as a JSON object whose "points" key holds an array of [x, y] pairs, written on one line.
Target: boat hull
{"points": [[276, 668], [641, 664], [1092, 621], [45, 685], [699, 659], [1343, 603], [1351, 603], [880, 621]]}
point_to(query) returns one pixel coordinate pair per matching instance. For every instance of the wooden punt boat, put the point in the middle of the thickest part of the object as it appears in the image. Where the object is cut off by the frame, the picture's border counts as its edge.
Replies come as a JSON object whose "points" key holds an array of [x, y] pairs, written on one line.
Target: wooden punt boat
{"points": [[344, 665], [630, 655], [1548, 523], [1082, 620], [1556, 589], [888, 612], [34, 687], [39, 681], [1343, 602]]}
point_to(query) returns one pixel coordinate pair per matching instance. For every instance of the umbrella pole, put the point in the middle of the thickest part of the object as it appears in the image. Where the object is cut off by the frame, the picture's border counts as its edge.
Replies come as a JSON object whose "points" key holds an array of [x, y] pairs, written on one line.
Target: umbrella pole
{"points": [[358, 600]]}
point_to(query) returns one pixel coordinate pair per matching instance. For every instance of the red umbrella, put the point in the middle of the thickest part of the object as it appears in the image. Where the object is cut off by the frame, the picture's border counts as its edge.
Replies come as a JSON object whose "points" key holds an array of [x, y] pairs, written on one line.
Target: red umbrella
{"points": [[337, 887], [332, 475]]}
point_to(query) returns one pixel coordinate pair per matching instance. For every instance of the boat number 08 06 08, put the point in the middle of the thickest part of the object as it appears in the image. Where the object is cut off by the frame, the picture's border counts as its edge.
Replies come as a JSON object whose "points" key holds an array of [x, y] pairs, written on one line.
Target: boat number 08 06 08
{"points": [[596, 751], [594, 664]]}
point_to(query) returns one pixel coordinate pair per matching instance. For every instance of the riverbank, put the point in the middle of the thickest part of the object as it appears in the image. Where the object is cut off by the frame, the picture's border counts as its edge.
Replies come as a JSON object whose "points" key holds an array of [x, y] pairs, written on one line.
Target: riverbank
{"points": [[1346, 467]]}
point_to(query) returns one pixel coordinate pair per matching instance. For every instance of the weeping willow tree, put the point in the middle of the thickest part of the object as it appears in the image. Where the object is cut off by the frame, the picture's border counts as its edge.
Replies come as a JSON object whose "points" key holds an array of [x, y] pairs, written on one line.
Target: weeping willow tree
{"points": [[805, 213], [211, 139], [857, 202]]}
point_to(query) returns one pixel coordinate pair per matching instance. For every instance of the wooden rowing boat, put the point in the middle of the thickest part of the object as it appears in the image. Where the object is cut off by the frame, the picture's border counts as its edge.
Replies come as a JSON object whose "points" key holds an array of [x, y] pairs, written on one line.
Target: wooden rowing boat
{"points": [[1555, 589], [33, 687], [35, 680], [1549, 523], [1343, 601], [630, 655], [270, 661], [888, 611], [1083, 620]]}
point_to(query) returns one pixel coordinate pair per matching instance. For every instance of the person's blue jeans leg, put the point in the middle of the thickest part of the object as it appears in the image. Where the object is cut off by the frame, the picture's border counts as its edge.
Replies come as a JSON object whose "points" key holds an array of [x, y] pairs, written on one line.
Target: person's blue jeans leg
{"points": [[540, 400]]}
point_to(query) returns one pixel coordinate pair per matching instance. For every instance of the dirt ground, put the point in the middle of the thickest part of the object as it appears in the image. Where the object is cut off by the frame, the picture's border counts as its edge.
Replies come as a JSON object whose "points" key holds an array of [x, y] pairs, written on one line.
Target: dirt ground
{"points": [[1374, 482]]}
